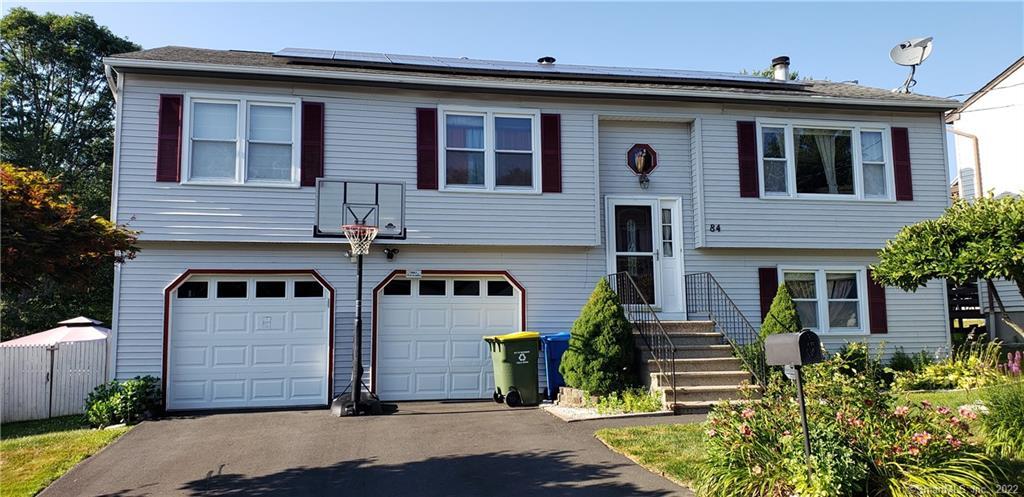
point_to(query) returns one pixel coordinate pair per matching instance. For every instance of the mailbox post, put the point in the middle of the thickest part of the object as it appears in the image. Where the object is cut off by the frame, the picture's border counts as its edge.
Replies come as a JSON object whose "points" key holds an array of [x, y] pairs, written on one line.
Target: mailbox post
{"points": [[797, 350]]}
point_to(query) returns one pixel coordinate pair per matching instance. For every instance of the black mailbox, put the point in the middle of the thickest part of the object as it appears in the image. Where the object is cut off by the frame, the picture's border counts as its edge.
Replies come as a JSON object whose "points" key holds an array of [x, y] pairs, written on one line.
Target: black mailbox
{"points": [[793, 349]]}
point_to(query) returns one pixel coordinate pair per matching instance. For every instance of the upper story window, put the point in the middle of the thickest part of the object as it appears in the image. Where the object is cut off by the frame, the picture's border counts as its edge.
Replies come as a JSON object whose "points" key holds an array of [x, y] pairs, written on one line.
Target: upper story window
{"points": [[825, 160], [241, 140], [828, 300], [490, 150]]}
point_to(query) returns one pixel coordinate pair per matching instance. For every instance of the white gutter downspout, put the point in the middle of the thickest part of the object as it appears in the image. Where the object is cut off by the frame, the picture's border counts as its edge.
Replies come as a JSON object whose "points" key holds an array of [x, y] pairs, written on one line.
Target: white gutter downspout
{"points": [[111, 363], [978, 190]]}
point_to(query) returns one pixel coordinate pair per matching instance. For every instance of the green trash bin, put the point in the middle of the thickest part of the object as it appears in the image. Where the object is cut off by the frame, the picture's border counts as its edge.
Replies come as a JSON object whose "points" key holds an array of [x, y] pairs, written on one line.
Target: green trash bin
{"points": [[514, 357]]}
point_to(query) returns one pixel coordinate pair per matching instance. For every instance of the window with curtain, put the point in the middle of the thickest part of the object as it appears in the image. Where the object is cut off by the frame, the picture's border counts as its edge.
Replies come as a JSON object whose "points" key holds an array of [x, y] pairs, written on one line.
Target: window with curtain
{"points": [[464, 150], [244, 140], [802, 288], [827, 300], [824, 163], [803, 160], [490, 150]]}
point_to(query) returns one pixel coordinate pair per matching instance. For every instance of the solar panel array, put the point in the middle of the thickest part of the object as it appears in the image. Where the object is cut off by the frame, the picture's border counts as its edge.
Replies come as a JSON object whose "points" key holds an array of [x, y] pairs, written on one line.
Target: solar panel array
{"points": [[504, 67]]}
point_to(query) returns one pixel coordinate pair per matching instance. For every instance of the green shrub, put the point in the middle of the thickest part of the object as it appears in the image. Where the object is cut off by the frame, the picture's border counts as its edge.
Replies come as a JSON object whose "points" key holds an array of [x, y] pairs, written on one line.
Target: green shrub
{"points": [[600, 355], [782, 317], [903, 362], [972, 366], [1003, 424], [128, 401], [628, 401], [855, 358], [862, 443]]}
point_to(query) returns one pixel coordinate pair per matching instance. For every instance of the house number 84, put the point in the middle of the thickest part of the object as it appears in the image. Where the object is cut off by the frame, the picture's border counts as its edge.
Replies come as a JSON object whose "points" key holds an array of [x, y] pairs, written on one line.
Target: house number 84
{"points": [[714, 227]]}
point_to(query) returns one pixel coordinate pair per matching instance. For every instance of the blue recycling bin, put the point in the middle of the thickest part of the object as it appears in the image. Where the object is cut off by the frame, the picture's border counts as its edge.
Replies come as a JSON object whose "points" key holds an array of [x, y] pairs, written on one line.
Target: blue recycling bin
{"points": [[554, 346]]}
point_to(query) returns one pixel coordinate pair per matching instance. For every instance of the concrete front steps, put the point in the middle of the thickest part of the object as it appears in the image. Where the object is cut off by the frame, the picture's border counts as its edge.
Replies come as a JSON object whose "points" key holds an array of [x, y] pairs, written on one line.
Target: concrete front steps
{"points": [[705, 369]]}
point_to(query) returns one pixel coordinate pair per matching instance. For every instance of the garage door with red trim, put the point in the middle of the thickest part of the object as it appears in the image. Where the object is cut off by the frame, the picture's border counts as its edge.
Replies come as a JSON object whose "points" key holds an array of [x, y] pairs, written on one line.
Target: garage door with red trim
{"points": [[429, 337], [248, 341]]}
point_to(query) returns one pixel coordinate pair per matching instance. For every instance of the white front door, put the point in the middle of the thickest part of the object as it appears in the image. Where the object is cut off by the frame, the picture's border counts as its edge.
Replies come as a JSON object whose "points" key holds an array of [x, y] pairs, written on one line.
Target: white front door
{"points": [[634, 244], [430, 336], [248, 341]]}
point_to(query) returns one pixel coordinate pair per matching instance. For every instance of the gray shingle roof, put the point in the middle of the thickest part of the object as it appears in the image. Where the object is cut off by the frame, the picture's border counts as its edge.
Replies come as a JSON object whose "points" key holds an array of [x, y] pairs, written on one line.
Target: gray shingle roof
{"points": [[815, 91]]}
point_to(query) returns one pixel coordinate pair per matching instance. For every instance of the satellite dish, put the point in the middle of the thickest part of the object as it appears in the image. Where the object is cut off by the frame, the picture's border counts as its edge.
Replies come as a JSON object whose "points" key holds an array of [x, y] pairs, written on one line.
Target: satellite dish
{"points": [[911, 53]]}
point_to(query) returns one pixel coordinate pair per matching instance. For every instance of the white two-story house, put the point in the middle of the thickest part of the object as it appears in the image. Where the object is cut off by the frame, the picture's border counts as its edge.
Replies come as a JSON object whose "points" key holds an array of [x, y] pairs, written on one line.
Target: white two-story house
{"points": [[520, 185]]}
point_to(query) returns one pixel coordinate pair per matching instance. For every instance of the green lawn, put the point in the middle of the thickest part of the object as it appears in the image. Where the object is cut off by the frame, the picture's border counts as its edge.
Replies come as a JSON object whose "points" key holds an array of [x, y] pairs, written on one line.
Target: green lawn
{"points": [[948, 398], [673, 451], [35, 453]]}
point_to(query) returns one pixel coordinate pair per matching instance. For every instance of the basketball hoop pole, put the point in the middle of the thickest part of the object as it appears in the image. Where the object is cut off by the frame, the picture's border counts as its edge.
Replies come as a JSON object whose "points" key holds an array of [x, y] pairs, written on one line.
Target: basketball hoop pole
{"points": [[360, 236], [357, 339]]}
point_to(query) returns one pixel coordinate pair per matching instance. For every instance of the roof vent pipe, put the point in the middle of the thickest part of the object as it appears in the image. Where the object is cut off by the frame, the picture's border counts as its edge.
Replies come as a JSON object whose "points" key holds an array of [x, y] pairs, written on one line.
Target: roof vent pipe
{"points": [[780, 68], [546, 60]]}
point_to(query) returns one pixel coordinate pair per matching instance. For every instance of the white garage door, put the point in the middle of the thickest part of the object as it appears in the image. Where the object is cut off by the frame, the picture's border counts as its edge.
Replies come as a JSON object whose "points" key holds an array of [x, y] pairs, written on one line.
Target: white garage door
{"points": [[238, 342], [429, 333]]}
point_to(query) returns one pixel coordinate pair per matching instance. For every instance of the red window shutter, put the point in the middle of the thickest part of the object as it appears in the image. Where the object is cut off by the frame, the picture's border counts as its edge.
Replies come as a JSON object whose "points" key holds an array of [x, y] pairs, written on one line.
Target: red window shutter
{"points": [[426, 149], [168, 143], [312, 142], [746, 141], [878, 318], [551, 153], [901, 164], [768, 279]]}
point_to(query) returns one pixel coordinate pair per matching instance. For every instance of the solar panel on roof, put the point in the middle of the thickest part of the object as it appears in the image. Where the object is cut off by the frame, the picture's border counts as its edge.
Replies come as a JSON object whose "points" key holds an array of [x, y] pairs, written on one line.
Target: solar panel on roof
{"points": [[421, 61], [361, 57]]}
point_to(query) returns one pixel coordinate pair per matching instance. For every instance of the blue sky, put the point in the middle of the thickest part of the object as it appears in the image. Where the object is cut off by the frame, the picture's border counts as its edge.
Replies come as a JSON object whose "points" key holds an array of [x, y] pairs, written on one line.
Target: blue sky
{"points": [[974, 41]]}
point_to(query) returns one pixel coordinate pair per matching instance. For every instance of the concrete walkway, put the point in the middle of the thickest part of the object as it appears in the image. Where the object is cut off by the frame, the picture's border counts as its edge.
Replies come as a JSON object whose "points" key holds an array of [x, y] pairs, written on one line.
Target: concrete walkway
{"points": [[425, 449]]}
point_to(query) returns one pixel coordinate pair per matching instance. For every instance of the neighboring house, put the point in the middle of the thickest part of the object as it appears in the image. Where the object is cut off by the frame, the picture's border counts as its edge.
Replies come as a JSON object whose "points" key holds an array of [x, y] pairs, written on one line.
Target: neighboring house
{"points": [[512, 211], [990, 157]]}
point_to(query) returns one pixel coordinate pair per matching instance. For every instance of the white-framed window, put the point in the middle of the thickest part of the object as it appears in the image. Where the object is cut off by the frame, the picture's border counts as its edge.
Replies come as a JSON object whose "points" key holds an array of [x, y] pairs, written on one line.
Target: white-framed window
{"points": [[241, 140], [824, 159], [489, 150], [832, 299]]}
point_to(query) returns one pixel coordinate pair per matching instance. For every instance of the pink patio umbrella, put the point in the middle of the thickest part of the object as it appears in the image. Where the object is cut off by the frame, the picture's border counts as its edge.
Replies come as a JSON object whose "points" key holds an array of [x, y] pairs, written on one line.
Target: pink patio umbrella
{"points": [[78, 329]]}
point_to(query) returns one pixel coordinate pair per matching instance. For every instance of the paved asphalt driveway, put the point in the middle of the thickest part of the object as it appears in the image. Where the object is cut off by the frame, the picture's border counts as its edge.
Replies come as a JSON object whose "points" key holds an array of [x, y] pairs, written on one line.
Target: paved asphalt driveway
{"points": [[426, 449]]}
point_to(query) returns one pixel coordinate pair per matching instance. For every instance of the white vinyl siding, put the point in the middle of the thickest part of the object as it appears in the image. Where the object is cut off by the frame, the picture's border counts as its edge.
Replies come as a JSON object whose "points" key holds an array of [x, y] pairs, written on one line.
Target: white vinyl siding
{"points": [[369, 136], [916, 321], [806, 223]]}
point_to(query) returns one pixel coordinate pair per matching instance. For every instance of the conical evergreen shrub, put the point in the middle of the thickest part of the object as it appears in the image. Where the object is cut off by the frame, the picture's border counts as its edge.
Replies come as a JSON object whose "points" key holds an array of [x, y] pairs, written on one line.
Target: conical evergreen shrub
{"points": [[782, 317], [600, 355]]}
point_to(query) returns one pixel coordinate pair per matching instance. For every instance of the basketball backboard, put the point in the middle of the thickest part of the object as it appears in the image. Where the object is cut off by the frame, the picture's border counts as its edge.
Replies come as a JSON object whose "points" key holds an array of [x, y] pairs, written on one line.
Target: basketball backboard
{"points": [[340, 202]]}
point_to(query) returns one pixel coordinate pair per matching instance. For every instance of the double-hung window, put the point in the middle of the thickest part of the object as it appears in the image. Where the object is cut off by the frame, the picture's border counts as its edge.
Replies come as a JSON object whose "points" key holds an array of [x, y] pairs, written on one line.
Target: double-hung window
{"points": [[828, 300], [824, 160], [490, 150], [241, 140]]}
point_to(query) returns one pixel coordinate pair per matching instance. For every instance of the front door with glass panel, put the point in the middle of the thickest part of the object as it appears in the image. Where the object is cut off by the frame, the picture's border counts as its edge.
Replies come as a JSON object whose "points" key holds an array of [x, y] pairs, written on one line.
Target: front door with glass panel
{"points": [[634, 244]]}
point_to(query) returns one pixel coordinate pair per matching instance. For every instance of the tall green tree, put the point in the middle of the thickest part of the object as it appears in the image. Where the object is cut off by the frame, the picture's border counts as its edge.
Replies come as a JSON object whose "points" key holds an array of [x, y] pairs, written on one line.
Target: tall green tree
{"points": [[978, 240], [54, 257], [56, 117], [57, 112]]}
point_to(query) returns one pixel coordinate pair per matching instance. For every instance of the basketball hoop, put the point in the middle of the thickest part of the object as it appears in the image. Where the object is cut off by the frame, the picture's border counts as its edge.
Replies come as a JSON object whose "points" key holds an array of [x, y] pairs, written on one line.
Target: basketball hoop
{"points": [[360, 236]]}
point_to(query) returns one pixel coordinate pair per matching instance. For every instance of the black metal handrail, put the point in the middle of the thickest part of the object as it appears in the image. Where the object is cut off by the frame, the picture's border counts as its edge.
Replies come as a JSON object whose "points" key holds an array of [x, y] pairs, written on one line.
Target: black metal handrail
{"points": [[646, 323], [705, 297]]}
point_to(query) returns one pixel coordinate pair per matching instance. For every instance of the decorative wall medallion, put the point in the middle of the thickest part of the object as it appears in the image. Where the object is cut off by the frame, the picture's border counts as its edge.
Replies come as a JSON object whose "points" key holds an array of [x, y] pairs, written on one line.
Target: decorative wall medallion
{"points": [[642, 159]]}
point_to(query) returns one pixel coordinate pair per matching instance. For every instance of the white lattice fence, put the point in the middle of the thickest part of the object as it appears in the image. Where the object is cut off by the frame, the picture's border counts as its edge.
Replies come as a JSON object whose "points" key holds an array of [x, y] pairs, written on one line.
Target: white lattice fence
{"points": [[41, 381]]}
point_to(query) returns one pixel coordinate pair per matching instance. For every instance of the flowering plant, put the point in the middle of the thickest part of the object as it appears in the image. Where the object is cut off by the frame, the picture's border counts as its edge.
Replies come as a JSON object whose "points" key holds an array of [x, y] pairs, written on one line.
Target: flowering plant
{"points": [[862, 443]]}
